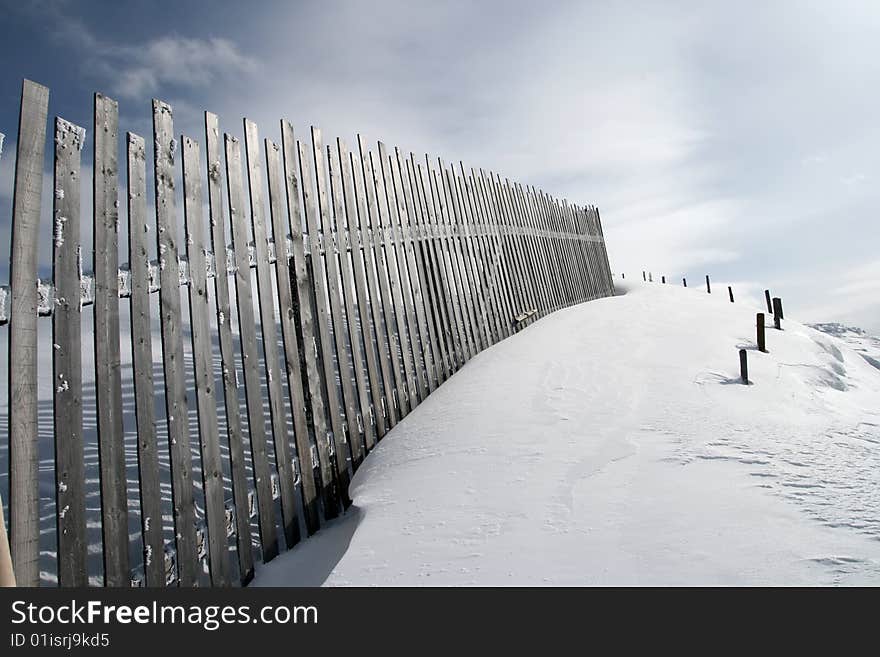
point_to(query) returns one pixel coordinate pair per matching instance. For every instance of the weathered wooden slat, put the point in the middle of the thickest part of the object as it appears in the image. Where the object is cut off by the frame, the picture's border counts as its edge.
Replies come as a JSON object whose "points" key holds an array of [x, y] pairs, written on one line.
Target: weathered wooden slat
{"points": [[234, 434], [520, 246], [374, 419], [445, 185], [395, 259], [108, 376], [555, 255], [498, 271], [335, 438], [519, 287], [249, 354], [531, 249], [412, 282], [289, 317], [483, 256], [427, 306], [464, 221], [550, 272], [339, 280], [383, 398], [363, 428], [395, 395], [24, 512], [142, 364], [67, 359], [265, 299], [165, 147], [203, 367], [454, 287], [445, 312], [304, 309], [437, 323]]}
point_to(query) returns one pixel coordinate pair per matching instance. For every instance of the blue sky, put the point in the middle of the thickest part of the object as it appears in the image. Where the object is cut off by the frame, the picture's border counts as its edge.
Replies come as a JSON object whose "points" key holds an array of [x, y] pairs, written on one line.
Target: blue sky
{"points": [[736, 139]]}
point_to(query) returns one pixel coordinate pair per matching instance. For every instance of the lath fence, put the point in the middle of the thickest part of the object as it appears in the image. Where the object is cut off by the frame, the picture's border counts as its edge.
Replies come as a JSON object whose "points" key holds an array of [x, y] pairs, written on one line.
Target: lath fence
{"points": [[308, 298]]}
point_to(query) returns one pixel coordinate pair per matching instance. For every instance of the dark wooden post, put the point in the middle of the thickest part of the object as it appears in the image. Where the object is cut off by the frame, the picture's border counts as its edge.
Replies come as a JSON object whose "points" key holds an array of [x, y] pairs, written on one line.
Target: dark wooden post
{"points": [[644, 276], [663, 279], [622, 275], [769, 304], [744, 366], [684, 282], [730, 292], [762, 340], [777, 312], [708, 286], [650, 277]]}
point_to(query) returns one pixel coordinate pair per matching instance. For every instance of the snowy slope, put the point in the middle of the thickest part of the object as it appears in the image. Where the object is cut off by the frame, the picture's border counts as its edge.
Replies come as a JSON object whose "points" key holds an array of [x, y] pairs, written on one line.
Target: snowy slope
{"points": [[612, 443], [867, 345]]}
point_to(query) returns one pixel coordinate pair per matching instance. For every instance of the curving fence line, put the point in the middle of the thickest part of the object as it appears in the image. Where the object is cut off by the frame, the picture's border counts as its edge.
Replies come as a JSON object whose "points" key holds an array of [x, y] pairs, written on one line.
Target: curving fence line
{"points": [[301, 298]]}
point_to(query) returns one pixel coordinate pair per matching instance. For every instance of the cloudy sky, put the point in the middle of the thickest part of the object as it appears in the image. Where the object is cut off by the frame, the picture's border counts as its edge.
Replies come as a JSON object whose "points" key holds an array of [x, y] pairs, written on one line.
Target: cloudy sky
{"points": [[735, 139]]}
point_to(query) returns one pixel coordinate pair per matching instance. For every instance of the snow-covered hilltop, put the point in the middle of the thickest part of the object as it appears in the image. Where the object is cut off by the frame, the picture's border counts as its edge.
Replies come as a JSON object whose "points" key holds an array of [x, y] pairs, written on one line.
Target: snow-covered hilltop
{"points": [[612, 443]]}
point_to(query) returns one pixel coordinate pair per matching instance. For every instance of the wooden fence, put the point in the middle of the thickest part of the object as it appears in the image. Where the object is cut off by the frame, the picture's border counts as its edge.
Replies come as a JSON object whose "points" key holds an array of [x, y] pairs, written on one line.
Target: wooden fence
{"points": [[308, 300]]}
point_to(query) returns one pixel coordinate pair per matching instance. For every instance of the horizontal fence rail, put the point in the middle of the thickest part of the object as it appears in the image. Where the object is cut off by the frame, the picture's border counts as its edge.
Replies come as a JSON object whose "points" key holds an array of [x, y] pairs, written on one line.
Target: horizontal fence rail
{"points": [[277, 309]]}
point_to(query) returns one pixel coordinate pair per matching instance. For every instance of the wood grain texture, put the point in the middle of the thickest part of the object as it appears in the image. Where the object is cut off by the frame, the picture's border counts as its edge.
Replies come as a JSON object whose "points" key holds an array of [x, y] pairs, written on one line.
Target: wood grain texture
{"points": [[324, 346], [234, 436], [139, 227], [433, 286], [374, 421], [396, 398], [108, 375], [340, 283], [292, 348], [423, 359], [67, 358], [304, 309], [395, 259], [250, 356], [24, 512], [203, 366], [343, 207], [383, 399], [266, 303]]}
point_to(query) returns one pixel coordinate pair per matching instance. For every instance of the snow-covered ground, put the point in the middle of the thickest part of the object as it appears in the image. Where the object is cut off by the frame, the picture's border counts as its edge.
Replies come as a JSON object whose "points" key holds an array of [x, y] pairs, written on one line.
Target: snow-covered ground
{"points": [[612, 443]]}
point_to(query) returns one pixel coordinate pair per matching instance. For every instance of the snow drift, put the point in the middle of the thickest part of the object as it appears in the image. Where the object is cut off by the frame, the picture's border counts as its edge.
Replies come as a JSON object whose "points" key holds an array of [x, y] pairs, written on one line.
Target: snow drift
{"points": [[612, 443]]}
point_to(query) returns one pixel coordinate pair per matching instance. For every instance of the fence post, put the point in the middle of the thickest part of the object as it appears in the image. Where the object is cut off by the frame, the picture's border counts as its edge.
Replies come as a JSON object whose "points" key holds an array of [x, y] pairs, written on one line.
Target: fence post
{"points": [[778, 300], [777, 312], [650, 277], [24, 497], [684, 282], [762, 341], [730, 292], [744, 366], [663, 279], [644, 277], [769, 304], [708, 286]]}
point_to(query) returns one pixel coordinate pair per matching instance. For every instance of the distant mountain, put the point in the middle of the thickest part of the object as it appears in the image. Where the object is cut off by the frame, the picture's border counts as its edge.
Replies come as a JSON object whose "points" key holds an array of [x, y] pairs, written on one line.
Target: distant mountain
{"points": [[866, 345]]}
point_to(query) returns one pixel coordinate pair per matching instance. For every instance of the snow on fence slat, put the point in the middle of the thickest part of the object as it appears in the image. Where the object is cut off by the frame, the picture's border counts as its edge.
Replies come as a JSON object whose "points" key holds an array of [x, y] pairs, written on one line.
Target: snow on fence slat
{"points": [[406, 269], [292, 348], [176, 407], [206, 406], [265, 301], [67, 358], [250, 358], [142, 365], [237, 475]]}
